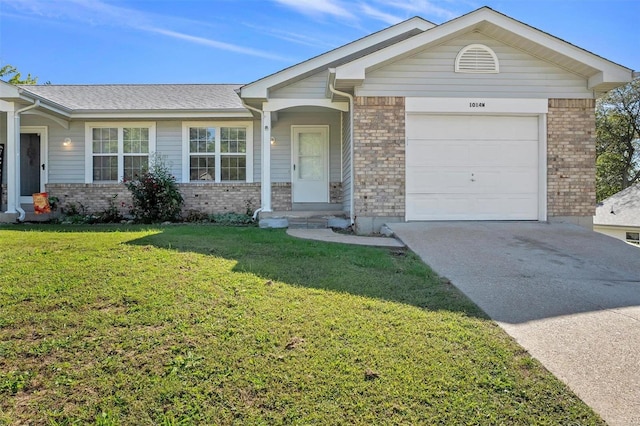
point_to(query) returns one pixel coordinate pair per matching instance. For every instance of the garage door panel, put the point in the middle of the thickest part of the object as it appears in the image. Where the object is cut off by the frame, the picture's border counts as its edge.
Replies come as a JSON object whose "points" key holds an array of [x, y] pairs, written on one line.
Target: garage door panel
{"points": [[428, 180], [472, 167], [471, 207], [438, 153], [481, 127]]}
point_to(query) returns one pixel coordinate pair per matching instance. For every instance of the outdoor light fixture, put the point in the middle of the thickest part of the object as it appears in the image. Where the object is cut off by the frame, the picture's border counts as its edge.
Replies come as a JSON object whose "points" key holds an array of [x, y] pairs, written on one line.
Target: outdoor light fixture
{"points": [[273, 140], [66, 142]]}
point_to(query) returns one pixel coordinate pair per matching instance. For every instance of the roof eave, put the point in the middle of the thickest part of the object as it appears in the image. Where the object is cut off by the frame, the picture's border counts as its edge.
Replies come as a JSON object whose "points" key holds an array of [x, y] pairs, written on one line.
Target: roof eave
{"points": [[259, 89], [162, 114]]}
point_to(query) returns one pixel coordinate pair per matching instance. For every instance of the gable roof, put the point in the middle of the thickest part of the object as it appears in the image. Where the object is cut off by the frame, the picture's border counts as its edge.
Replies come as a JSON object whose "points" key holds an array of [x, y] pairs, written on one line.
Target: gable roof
{"points": [[621, 209], [602, 74], [140, 97], [361, 47]]}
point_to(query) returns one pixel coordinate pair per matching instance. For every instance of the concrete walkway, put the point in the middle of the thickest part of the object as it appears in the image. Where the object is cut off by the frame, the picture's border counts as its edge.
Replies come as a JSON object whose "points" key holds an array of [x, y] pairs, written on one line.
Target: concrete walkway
{"points": [[569, 296], [329, 236]]}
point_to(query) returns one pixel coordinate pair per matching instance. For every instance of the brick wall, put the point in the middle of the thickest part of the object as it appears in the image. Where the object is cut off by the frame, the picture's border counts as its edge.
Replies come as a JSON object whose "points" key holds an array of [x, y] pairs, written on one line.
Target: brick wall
{"points": [[571, 153], [281, 196], [204, 197], [379, 156], [335, 192], [3, 203]]}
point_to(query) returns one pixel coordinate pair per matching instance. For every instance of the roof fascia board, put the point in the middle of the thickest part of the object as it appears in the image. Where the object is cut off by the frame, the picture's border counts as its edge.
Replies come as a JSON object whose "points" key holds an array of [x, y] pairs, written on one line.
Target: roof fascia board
{"points": [[259, 89], [279, 104], [108, 115], [356, 69]]}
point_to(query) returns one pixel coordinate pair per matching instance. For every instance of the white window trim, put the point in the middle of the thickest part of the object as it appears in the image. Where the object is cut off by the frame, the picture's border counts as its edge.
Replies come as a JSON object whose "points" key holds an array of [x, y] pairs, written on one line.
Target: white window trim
{"points": [[217, 125], [120, 125]]}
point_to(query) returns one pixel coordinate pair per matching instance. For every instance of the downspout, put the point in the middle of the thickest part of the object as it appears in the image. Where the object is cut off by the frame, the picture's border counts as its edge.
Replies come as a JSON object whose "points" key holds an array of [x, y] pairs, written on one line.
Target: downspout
{"points": [[16, 117], [351, 200], [249, 107]]}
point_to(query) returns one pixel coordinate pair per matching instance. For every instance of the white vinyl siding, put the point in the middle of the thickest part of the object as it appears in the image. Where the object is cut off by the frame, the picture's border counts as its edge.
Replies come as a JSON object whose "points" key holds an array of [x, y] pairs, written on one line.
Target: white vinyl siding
{"points": [[65, 163], [169, 145], [313, 87], [430, 73], [257, 151], [281, 150]]}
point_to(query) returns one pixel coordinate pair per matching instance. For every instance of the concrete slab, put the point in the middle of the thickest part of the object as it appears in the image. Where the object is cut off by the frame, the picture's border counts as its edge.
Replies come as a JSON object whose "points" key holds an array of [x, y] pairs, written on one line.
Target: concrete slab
{"points": [[328, 235], [568, 295]]}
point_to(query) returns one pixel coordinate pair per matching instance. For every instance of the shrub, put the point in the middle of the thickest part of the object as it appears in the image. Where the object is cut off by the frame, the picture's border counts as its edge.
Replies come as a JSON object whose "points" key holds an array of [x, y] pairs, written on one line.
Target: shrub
{"points": [[156, 197]]}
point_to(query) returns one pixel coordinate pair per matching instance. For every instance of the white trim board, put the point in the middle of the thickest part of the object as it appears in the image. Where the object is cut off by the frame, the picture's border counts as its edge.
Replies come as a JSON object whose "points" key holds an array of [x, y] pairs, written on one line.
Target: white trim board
{"points": [[478, 105]]}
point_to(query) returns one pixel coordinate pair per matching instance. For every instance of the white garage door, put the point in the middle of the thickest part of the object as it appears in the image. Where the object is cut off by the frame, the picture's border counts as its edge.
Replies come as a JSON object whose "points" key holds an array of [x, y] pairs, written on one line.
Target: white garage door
{"points": [[472, 167]]}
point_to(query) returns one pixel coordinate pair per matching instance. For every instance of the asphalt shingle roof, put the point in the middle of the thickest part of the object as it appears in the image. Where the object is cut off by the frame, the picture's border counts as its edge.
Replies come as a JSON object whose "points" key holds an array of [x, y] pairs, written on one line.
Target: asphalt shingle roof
{"points": [[621, 209], [127, 97]]}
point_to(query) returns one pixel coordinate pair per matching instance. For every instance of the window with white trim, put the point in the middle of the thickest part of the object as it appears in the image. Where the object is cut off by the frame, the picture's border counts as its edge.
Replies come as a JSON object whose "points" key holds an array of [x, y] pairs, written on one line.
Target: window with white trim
{"points": [[217, 152], [633, 237], [117, 151]]}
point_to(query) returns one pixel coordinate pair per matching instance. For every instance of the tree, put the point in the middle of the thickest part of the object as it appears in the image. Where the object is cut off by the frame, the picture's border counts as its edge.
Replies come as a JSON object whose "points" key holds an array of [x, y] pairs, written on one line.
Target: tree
{"points": [[618, 140], [16, 77]]}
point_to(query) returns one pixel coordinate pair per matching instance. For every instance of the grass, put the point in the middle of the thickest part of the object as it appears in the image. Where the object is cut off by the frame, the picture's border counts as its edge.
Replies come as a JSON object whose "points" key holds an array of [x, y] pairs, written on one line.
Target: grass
{"points": [[185, 325]]}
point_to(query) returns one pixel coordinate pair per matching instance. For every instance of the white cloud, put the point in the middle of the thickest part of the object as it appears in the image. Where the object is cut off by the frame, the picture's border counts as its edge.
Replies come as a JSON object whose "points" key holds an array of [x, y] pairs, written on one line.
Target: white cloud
{"points": [[318, 7], [215, 44], [380, 15], [98, 13], [421, 8]]}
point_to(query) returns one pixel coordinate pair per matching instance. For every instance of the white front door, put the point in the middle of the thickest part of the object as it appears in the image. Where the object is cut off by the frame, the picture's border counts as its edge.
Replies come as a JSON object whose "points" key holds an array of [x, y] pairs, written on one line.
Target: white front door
{"points": [[310, 164]]}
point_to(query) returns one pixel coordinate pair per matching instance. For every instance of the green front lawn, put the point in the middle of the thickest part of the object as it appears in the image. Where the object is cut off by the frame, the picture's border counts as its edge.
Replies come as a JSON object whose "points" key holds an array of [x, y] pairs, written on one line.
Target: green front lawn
{"points": [[210, 325]]}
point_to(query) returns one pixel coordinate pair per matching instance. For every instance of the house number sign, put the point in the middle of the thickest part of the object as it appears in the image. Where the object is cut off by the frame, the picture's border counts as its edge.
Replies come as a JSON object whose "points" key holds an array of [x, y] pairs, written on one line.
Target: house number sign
{"points": [[476, 105]]}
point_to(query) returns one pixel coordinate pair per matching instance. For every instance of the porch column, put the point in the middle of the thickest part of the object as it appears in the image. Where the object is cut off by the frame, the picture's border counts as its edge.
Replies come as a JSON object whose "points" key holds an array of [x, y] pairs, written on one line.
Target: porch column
{"points": [[12, 160], [266, 161]]}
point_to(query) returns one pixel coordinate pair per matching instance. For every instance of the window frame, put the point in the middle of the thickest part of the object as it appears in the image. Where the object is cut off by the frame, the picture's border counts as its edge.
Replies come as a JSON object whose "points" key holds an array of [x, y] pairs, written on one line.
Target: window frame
{"points": [[635, 239], [217, 125], [120, 126]]}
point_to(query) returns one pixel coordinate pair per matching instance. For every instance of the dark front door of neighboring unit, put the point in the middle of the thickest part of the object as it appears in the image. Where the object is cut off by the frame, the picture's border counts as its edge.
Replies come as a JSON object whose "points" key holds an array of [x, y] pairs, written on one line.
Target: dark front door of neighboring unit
{"points": [[30, 164]]}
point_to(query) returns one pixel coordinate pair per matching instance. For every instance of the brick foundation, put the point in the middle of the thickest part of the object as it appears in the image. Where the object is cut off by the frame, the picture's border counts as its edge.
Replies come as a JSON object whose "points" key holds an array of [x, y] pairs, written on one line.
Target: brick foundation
{"points": [[571, 158], [3, 202], [281, 196], [335, 192], [379, 156], [204, 197]]}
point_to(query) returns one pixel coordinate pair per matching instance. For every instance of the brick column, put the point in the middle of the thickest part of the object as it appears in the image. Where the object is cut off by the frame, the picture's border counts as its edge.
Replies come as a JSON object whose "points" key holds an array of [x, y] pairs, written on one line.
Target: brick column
{"points": [[571, 159], [379, 161]]}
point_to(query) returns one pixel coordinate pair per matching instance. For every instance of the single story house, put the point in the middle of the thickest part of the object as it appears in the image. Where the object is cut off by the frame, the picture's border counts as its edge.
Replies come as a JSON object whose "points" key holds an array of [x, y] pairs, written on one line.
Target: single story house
{"points": [[480, 118], [619, 215]]}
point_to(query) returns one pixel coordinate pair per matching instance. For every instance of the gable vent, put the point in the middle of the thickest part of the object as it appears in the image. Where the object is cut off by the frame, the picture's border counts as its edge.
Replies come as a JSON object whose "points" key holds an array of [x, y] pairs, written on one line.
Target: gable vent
{"points": [[477, 58]]}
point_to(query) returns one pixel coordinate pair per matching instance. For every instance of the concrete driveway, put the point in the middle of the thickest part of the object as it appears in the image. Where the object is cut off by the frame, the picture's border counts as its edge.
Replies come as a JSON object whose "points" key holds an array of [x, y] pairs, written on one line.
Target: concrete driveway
{"points": [[570, 296]]}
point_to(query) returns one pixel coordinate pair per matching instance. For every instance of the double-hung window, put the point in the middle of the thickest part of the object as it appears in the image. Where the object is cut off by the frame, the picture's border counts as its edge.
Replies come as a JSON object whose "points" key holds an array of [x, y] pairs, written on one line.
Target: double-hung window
{"points": [[117, 151], [217, 152]]}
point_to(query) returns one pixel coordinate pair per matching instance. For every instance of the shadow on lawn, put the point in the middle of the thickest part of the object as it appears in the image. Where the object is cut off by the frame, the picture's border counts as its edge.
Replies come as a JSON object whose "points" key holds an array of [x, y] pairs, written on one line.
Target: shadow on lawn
{"points": [[389, 274]]}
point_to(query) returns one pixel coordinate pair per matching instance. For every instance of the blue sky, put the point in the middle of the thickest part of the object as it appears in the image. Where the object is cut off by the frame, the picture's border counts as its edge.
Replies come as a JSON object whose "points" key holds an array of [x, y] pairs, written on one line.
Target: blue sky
{"points": [[239, 41]]}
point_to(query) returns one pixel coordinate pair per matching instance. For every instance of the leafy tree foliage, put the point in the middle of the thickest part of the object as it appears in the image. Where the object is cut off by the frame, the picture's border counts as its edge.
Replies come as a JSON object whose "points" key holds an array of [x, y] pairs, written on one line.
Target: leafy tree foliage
{"points": [[618, 140], [16, 77]]}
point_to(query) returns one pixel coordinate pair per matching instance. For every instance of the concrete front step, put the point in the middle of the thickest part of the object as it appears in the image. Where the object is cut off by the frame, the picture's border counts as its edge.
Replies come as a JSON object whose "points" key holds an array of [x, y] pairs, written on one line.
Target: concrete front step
{"points": [[304, 220]]}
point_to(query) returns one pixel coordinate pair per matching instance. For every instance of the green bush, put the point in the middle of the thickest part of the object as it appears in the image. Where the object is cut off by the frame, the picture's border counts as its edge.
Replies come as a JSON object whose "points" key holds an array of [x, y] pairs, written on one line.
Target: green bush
{"points": [[156, 197]]}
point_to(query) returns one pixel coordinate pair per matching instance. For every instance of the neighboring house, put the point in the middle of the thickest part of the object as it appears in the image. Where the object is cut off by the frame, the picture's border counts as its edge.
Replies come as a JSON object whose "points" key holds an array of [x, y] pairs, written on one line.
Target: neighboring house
{"points": [[619, 215], [480, 118]]}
